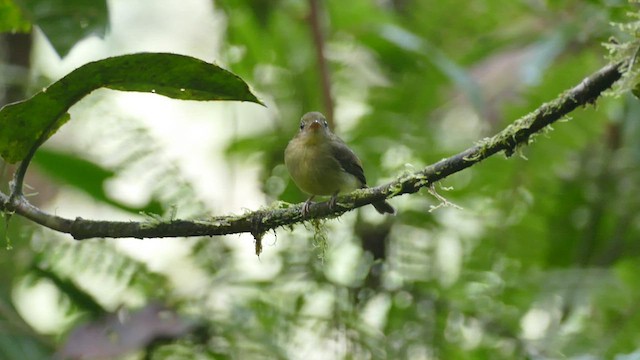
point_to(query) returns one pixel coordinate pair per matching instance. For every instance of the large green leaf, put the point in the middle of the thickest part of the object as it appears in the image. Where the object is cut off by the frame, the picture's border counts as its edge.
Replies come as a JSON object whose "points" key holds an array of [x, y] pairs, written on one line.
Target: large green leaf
{"points": [[65, 22], [24, 123]]}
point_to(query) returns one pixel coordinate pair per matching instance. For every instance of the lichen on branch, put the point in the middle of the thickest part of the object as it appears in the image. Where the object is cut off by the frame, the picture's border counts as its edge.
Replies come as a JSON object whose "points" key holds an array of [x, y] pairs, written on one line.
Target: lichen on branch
{"points": [[258, 222]]}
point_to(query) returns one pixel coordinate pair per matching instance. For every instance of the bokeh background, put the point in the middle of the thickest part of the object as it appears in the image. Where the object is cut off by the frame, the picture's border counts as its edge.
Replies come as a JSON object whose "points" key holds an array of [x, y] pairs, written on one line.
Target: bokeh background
{"points": [[540, 260]]}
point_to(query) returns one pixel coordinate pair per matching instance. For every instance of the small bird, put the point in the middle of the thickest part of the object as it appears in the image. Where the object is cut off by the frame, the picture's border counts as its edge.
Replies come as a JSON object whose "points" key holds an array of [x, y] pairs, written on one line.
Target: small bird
{"points": [[320, 163]]}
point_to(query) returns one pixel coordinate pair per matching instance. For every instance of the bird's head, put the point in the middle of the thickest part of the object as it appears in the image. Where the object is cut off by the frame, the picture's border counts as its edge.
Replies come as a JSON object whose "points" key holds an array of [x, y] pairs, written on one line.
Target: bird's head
{"points": [[314, 127]]}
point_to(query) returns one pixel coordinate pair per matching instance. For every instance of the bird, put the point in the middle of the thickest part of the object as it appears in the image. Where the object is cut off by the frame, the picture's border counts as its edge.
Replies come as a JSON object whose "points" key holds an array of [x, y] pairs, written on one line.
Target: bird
{"points": [[320, 163]]}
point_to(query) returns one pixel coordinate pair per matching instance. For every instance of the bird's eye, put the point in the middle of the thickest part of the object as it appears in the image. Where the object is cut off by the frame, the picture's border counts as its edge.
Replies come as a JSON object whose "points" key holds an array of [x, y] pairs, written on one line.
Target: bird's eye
{"points": [[325, 123], [301, 125]]}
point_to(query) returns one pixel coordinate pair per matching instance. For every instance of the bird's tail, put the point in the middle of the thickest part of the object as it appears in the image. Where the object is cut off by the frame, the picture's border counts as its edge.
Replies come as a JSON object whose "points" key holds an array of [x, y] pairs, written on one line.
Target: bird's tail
{"points": [[384, 207]]}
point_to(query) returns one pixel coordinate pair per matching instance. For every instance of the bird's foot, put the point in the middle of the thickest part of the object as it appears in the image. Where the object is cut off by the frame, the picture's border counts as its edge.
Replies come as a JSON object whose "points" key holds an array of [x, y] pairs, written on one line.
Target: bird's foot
{"points": [[333, 201], [305, 207]]}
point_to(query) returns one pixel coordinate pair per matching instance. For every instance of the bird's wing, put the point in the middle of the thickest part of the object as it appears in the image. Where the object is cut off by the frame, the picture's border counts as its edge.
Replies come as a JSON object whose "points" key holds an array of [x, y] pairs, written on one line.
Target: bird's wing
{"points": [[348, 161]]}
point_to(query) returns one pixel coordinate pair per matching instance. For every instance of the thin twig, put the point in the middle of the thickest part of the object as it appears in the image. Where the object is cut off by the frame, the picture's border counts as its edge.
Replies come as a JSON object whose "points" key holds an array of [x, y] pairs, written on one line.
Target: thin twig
{"points": [[318, 41]]}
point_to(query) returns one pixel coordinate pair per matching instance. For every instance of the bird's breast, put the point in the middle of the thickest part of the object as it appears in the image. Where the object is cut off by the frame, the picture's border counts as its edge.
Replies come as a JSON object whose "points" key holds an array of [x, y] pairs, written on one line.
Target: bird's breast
{"points": [[315, 170]]}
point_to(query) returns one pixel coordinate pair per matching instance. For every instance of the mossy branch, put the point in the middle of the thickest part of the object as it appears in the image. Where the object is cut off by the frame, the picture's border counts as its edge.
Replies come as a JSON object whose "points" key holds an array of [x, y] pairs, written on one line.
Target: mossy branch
{"points": [[258, 222]]}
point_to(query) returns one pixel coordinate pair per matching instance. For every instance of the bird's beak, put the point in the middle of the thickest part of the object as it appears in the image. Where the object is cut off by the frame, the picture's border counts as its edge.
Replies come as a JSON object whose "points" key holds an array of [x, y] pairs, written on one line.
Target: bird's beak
{"points": [[315, 125]]}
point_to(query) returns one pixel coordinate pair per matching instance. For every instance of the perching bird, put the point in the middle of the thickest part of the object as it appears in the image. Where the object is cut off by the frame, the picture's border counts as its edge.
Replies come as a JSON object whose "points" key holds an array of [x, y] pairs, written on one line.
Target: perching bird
{"points": [[320, 163]]}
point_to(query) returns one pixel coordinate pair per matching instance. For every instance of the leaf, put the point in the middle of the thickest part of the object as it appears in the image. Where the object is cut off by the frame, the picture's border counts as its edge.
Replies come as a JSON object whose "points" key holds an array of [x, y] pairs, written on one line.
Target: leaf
{"points": [[86, 176], [24, 124], [11, 19], [79, 297], [410, 42], [65, 22]]}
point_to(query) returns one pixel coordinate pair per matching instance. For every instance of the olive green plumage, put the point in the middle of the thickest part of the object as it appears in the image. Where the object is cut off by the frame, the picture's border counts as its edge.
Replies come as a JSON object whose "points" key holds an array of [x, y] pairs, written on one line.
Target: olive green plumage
{"points": [[320, 163]]}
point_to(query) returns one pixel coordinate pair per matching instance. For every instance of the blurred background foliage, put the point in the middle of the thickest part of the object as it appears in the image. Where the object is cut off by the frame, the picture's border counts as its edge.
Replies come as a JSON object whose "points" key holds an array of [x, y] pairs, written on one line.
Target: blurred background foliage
{"points": [[540, 262]]}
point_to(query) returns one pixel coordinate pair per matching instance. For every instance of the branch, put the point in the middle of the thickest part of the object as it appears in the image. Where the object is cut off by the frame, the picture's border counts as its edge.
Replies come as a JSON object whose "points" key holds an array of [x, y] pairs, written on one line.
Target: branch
{"points": [[318, 41], [258, 222]]}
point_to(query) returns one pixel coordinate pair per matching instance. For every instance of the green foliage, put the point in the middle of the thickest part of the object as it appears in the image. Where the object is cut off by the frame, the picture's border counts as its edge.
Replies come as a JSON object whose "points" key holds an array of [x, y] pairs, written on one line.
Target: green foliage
{"points": [[28, 123], [11, 19], [626, 48], [540, 219], [66, 22], [540, 262], [86, 176]]}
